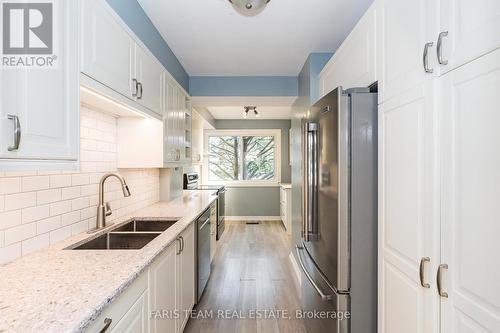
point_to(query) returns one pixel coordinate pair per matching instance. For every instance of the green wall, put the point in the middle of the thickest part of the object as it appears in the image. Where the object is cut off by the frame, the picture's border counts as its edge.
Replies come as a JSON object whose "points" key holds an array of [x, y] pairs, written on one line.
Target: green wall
{"points": [[258, 201]]}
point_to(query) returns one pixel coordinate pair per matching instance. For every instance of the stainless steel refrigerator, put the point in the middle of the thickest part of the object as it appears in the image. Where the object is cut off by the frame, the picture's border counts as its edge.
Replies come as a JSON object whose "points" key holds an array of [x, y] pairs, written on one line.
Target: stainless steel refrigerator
{"points": [[338, 252]]}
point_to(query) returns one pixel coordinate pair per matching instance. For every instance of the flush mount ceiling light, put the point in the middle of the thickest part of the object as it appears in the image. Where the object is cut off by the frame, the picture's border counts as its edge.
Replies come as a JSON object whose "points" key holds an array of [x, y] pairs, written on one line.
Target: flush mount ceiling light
{"points": [[247, 109], [249, 7]]}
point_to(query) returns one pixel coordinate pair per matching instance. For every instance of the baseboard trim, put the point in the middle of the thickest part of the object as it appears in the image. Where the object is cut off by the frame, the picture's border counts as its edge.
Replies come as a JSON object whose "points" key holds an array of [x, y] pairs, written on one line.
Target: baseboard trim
{"points": [[296, 269], [253, 218]]}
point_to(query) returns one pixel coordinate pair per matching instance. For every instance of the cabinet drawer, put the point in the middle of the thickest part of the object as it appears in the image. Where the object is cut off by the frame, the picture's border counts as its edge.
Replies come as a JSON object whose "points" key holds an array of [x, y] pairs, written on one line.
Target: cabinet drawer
{"points": [[121, 306]]}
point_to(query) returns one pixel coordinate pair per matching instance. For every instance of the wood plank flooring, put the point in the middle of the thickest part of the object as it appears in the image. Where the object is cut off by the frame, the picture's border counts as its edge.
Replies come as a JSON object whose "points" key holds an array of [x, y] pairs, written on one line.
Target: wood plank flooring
{"points": [[251, 272]]}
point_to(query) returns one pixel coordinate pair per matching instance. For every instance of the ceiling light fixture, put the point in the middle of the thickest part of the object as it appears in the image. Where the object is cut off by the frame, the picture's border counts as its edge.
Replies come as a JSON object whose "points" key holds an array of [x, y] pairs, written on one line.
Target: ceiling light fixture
{"points": [[247, 109], [249, 7]]}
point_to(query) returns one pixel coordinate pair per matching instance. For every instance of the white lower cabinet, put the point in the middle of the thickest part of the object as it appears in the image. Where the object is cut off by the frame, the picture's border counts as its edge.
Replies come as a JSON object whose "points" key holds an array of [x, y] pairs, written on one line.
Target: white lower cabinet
{"points": [[128, 313], [160, 300], [286, 207], [172, 285]]}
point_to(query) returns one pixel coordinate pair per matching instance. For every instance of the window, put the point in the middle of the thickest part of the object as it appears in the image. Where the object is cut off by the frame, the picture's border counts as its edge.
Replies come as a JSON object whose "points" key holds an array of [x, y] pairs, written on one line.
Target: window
{"points": [[243, 157]]}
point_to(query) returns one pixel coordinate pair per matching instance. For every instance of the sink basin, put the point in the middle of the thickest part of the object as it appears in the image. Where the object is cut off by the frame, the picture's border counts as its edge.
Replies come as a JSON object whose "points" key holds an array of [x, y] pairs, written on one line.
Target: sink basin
{"points": [[138, 225], [119, 241], [133, 235]]}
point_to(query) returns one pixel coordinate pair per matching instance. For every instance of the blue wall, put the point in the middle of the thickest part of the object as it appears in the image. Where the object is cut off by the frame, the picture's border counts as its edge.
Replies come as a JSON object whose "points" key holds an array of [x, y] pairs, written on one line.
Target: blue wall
{"points": [[134, 16], [243, 86]]}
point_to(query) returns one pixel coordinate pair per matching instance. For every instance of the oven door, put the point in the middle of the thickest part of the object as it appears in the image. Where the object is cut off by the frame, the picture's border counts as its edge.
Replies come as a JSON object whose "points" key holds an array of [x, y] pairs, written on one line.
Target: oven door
{"points": [[221, 213]]}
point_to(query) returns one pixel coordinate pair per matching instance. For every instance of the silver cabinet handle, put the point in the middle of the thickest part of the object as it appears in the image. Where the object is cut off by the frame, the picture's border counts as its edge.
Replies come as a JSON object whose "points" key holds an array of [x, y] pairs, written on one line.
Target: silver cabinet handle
{"points": [[136, 87], [439, 48], [139, 96], [107, 323], [426, 57], [179, 249], [17, 132], [323, 296], [439, 281], [422, 272], [182, 243]]}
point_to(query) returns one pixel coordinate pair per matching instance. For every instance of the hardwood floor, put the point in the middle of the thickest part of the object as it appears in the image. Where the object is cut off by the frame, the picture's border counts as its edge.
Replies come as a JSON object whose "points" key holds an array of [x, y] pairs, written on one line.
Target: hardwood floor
{"points": [[251, 272]]}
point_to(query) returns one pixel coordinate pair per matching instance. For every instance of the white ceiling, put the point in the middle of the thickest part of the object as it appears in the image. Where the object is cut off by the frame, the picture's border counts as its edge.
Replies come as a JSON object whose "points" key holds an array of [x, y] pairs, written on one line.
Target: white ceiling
{"points": [[210, 38]]}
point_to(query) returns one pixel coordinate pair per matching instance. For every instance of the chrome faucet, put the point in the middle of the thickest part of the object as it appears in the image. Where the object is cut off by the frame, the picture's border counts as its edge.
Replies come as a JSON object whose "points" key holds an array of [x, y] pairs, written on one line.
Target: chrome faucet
{"points": [[104, 209]]}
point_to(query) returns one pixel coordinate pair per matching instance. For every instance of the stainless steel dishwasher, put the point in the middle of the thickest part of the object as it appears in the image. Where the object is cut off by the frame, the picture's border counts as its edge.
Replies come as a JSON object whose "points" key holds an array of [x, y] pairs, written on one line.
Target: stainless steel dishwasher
{"points": [[203, 224]]}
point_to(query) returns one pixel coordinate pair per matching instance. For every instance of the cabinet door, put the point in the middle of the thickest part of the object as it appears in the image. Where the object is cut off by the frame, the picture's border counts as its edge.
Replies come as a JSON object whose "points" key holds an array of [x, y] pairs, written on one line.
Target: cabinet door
{"points": [[213, 231], [408, 213], [163, 285], [45, 100], [186, 277], [169, 121], [107, 49], [354, 63], [473, 30], [149, 74], [470, 193], [136, 319], [404, 27]]}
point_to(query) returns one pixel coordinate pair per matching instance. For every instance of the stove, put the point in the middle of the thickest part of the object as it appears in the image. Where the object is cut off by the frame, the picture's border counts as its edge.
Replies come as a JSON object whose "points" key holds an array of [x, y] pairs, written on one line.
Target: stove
{"points": [[191, 182]]}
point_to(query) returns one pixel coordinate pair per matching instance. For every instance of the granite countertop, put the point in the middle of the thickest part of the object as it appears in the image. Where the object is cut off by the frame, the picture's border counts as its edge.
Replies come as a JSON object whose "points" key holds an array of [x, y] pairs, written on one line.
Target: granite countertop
{"points": [[58, 290]]}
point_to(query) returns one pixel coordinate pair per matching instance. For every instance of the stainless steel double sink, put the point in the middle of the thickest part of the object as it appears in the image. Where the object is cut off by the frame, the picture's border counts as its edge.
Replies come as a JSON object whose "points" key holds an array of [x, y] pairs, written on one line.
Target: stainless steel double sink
{"points": [[132, 235]]}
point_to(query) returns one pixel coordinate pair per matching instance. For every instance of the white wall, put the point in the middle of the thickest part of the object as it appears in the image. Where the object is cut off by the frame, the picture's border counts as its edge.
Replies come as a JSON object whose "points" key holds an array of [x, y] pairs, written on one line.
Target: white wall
{"points": [[38, 209]]}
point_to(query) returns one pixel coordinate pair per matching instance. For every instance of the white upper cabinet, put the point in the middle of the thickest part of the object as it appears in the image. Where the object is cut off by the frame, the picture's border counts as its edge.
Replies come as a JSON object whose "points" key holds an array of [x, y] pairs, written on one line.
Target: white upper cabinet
{"points": [[470, 161], [354, 63], [148, 73], [405, 29], [473, 29], [107, 49], [39, 108], [115, 62]]}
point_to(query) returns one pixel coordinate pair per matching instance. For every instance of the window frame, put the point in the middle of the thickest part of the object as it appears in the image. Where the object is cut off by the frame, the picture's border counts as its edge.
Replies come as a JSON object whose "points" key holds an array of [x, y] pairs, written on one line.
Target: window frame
{"points": [[276, 133]]}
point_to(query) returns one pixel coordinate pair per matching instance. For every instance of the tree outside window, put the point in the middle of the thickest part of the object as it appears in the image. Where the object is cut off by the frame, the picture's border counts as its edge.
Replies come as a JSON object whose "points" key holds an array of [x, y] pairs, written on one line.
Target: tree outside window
{"points": [[241, 158]]}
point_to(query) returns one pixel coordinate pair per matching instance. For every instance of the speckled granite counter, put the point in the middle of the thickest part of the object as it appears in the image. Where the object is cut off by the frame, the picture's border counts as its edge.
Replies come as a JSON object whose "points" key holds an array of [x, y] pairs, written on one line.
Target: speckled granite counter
{"points": [[57, 290]]}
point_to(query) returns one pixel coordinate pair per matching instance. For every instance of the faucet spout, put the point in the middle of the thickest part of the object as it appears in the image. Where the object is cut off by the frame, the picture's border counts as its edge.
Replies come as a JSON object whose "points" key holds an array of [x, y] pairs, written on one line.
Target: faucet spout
{"points": [[104, 210]]}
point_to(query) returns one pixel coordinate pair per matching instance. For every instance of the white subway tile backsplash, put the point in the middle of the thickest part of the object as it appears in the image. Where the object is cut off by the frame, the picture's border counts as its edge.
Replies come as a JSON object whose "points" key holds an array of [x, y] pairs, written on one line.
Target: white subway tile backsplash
{"points": [[72, 192], [35, 183], [48, 196], [70, 218], [47, 225], [80, 179], [44, 207], [57, 181], [60, 234], [10, 219], [79, 203], [33, 214], [19, 233], [35, 243], [80, 227], [60, 207], [10, 185], [20, 200]]}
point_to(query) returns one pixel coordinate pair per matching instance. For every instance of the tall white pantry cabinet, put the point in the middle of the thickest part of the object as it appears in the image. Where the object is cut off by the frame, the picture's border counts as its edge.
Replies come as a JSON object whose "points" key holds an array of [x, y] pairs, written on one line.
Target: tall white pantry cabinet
{"points": [[439, 162]]}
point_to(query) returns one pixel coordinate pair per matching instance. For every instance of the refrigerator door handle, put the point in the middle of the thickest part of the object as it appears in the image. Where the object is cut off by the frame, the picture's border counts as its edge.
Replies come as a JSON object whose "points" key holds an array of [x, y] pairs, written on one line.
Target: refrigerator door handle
{"points": [[323, 295], [310, 182]]}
